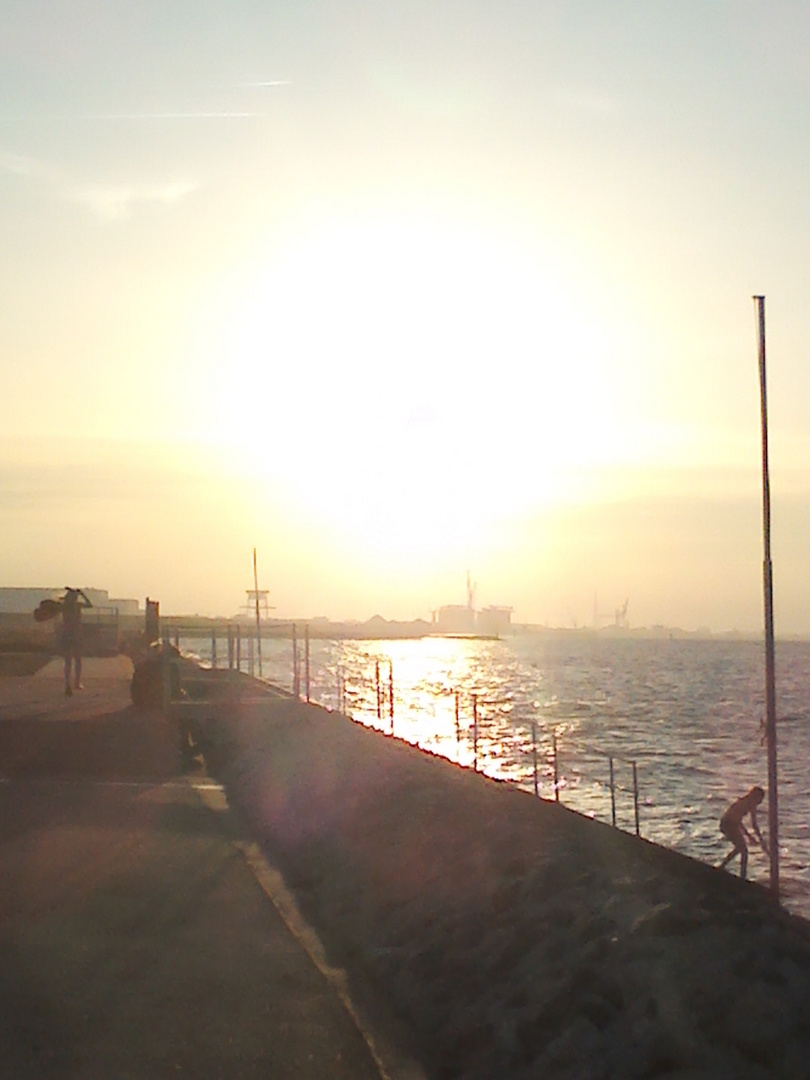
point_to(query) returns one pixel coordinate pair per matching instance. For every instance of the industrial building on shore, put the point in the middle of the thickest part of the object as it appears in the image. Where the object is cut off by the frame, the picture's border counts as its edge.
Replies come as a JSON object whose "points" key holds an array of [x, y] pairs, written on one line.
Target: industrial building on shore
{"points": [[24, 600], [492, 621]]}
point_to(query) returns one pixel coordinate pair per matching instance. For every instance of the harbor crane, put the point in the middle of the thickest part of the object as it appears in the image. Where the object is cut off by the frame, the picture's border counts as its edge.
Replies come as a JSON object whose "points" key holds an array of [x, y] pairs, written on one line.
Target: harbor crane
{"points": [[619, 615], [621, 619]]}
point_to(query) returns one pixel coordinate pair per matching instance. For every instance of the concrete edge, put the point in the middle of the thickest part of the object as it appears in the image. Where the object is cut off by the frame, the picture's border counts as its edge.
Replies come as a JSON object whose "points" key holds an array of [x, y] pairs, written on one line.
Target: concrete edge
{"points": [[390, 1063]]}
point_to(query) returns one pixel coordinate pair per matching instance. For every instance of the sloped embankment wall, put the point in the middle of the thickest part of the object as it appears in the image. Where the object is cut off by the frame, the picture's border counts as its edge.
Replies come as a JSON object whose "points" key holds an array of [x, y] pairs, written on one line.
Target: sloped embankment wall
{"points": [[519, 938]]}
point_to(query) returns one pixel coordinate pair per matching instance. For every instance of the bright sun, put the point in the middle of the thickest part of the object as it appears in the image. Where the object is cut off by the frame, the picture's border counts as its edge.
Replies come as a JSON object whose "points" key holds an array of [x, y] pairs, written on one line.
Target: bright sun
{"points": [[408, 380]]}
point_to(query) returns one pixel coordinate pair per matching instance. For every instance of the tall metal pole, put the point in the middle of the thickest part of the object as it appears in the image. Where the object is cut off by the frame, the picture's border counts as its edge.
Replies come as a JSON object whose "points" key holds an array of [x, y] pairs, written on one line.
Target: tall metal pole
{"points": [[258, 616], [767, 580]]}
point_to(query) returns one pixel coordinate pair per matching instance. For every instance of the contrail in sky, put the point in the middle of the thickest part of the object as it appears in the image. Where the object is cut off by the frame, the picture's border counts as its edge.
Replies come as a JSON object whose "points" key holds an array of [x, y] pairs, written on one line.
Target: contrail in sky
{"points": [[221, 115]]}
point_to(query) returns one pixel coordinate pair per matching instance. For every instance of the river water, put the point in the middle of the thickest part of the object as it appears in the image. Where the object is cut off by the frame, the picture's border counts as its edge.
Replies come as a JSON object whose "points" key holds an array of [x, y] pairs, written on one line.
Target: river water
{"points": [[688, 712]]}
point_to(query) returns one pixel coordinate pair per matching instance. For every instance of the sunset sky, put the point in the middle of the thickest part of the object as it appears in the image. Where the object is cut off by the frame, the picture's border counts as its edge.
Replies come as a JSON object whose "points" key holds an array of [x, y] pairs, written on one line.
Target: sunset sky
{"points": [[393, 291]]}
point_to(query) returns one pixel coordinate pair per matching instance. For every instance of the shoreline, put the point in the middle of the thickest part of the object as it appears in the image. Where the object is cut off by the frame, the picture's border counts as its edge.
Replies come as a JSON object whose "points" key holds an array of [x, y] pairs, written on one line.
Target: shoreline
{"points": [[20, 634]]}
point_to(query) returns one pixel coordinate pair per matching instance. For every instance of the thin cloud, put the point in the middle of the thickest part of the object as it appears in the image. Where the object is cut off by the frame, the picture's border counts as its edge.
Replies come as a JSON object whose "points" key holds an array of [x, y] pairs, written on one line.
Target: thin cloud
{"points": [[114, 203], [27, 167], [107, 201]]}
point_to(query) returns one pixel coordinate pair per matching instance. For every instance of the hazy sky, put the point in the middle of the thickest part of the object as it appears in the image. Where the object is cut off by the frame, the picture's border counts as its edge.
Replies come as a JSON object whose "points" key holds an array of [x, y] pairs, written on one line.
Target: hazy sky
{"points": [[390, 291]]}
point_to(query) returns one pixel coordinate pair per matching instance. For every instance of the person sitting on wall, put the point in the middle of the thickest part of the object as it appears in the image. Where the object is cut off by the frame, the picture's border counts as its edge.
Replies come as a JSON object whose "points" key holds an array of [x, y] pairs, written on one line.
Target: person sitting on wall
{"points": [[72, 603], [731, 826]]}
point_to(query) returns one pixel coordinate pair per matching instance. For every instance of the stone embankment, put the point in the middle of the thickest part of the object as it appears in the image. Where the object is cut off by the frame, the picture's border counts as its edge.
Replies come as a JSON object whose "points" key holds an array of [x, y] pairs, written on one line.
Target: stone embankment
{"points": [[518, 938]]}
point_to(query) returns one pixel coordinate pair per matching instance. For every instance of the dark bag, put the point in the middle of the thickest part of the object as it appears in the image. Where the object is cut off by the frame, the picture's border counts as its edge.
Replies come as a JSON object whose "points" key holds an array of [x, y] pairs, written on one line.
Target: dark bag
{"points": [[47, 610]]}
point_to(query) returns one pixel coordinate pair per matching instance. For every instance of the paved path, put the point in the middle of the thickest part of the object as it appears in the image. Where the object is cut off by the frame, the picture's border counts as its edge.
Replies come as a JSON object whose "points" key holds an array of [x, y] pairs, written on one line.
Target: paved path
{"points": [[106, 682], [135, 940]]}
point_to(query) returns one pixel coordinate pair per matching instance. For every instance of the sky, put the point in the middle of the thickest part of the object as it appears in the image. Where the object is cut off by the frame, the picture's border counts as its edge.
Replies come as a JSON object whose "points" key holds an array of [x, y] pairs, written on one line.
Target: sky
{"points": [[391, 292]]}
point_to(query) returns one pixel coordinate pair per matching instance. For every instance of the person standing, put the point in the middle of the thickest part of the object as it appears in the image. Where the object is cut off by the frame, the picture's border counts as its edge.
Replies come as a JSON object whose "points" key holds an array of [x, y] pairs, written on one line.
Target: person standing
{"points": [[731, 826], [73, 602]]}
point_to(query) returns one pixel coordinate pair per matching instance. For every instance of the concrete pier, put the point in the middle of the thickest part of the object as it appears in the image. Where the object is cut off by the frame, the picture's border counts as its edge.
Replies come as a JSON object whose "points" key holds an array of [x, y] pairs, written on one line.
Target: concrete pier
{"points": [[136, 939]]}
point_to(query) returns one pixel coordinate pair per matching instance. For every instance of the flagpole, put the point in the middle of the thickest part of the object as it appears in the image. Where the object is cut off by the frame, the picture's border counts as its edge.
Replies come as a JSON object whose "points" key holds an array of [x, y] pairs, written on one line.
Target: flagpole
{"points": [[767, 581]]}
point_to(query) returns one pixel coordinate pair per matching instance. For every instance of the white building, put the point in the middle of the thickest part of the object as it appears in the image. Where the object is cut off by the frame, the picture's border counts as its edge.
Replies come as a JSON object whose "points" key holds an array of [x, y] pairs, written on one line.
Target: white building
{"points": [[23, 601], [494, 621], [15, 601], [454, 619]]}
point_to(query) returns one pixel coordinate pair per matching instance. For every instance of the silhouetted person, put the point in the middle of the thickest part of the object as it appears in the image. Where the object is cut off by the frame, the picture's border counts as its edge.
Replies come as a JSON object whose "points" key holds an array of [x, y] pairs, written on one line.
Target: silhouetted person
{"points": [[72, 603], [731, 826]]}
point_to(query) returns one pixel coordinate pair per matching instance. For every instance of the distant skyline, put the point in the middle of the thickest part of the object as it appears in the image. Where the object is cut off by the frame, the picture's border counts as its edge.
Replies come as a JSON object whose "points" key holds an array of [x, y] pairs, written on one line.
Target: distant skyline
{"points": [[390, 292]]}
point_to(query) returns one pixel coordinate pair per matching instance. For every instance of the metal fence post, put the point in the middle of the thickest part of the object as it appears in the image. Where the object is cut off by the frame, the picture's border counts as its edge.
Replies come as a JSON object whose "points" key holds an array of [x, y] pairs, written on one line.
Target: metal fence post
{"points": [[166, 672], [612, 796], [556, 767], [296, 688], [534, 758], [296, 682], [391, 693], [475, 732], [635, 797], [306, 660]]}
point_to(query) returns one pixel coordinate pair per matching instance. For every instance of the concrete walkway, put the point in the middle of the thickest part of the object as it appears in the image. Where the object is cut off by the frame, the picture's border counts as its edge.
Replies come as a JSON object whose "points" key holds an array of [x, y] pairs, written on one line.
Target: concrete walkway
{"points": [[135, 939], [106, 689]]}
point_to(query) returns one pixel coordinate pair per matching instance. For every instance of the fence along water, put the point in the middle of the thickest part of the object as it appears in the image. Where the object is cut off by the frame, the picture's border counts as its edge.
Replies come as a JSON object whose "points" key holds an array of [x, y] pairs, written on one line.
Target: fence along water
{"points": [[542, 763]]}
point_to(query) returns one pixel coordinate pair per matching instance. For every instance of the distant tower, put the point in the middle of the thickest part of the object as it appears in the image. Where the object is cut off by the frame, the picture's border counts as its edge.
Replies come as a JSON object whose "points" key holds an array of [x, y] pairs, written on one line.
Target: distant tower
{"points": [[260, 595]]}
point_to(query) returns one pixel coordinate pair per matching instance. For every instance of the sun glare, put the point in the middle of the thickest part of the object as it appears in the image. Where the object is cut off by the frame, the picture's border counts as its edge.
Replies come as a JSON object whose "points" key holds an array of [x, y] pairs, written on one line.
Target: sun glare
{"points": [[408, 380]]}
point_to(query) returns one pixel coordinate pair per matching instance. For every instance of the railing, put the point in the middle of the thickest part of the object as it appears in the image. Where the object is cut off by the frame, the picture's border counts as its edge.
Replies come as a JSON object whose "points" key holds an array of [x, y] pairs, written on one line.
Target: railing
{"points": [[373, 702]]}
